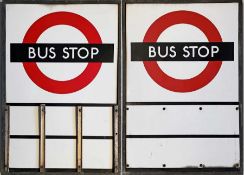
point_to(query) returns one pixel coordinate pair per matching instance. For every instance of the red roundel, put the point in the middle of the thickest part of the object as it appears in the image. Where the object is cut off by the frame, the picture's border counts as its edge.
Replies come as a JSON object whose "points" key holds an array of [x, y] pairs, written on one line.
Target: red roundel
{"points": [[73, 20], [182, 17]]}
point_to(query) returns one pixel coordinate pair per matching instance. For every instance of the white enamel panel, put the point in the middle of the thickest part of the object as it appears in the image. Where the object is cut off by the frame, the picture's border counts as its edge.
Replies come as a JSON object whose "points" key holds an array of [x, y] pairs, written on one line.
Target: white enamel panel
{"points": [[60, 120], [182, 120], [103, 89], [60, 153], [97, 121], [97, 154], [182, 152], [24, 153], [24, 120], [142, 88]]}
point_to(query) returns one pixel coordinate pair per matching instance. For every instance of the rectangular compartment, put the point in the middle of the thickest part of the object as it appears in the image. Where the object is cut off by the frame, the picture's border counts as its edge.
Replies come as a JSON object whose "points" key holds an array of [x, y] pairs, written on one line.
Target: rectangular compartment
{"points": [[182, 120], [97, 154], [97, 121], [24, 120], [24, 153], [182, 152], [60, 153], [60, 121]]}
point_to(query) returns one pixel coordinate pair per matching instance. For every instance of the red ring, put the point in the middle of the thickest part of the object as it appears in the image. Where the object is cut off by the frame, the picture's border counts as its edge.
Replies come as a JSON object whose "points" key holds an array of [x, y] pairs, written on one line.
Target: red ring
{"points": [[85, 27], [182, 17]]}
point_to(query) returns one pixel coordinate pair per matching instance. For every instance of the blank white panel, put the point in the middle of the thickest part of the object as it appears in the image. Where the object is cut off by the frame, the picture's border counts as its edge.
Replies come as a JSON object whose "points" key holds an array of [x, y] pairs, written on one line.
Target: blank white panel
{"points": [[60, 153], [180, 120], [60, 121], [24, 120], [97, 154], [182, 152], [24, 153], [97, 121]]}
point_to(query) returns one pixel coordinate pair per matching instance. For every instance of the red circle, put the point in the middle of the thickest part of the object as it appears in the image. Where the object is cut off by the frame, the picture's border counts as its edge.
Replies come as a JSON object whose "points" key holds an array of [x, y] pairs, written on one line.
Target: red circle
{"points": [[182, 17], [62, 18]]}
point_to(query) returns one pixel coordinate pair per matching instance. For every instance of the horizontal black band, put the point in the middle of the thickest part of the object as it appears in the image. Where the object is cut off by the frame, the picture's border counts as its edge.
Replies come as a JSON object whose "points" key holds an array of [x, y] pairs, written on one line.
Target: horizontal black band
{"points": [[24, 170], [68, 53], [97, 137], [24, 136], [63, 104], [58, 137], [59, 170], [182, 103], [181, 136], [179, 51]]}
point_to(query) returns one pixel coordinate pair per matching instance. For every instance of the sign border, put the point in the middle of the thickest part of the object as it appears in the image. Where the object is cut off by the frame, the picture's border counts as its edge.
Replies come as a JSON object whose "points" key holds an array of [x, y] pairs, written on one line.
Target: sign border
{"points": [[179, 171]]}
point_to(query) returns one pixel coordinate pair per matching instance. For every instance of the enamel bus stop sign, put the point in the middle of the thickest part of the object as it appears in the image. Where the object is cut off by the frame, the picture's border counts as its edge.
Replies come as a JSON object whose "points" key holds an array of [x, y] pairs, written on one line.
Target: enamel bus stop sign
{"points": [[61, 108], [182, 85]]}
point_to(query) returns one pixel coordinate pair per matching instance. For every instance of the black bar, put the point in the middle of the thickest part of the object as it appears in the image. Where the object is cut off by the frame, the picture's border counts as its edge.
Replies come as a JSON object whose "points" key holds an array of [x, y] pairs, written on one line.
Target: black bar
{"points": [[180, 171], [180, 1], [50, 2], [63, 104], [24, 170], [181, 136], [183, 51], [60, 137], [182, 103], [97, 171], [24, 136], [58, 53], [74, 137], [97, 137], [60, 170]]}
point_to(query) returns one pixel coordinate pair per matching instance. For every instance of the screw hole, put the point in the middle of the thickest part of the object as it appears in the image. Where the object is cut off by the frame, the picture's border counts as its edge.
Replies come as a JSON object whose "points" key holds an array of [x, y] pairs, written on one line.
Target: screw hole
{"points": [[237, 108], [116, 133], [164, 165], [200, 108], [202, 165], [127, 108], [127, 165], [164, 109]]}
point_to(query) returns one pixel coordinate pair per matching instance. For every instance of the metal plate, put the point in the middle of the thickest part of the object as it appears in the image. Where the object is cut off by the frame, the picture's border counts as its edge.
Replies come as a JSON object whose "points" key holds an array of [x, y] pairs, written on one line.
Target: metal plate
{"points": [[60, 153], [182, 120], [105, 19], [24, 120], [142, 88], [182, 152], [60, 121], [97, 154], [24, 153], [97, 121]]}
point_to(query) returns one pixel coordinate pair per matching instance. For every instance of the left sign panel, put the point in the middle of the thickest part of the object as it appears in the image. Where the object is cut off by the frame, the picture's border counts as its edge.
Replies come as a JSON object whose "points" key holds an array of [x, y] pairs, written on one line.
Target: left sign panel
{"points": [[66, 46]]}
